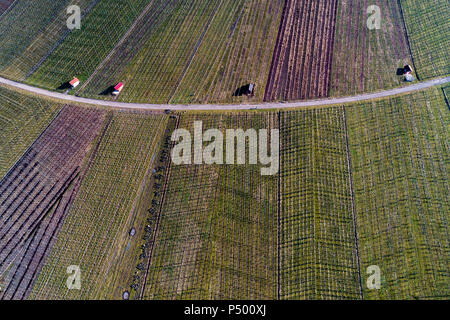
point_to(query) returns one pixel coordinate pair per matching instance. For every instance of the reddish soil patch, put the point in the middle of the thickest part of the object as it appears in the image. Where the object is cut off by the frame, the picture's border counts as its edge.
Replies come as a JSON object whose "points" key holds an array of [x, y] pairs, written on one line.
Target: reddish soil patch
{"points": [[302, 60]]}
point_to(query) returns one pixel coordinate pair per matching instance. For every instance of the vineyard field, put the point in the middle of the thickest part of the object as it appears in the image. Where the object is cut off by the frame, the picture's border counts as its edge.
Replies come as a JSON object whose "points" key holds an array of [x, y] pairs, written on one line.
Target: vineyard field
{"points": [[154, 72], [108, 72], [83, 50], [224, 150], [22, 120], [302, 58], [236, 51], [366, 60], [4, 5], [27, 32], [190, 51], [359, 185], [216, 236], [318, 251], [429, 34], [95, 235], [44, 43], [400, 157], [36, 195]]}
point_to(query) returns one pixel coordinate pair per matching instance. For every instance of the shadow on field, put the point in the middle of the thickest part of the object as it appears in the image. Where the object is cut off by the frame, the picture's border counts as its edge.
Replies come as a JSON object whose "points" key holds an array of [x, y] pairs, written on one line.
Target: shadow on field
{"points": [[400, 71], [64, 86], [242, 91], [108, 91]]}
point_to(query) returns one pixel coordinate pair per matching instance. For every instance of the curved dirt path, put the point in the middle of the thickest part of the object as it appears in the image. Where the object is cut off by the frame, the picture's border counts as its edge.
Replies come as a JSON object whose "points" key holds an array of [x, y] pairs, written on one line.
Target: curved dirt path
{"points": [[264, 105]]}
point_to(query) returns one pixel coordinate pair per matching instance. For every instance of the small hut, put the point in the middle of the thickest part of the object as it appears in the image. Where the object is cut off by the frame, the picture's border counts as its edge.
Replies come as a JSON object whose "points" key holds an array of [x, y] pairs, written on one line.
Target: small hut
{"points": [[117, 89], [74, 83]]}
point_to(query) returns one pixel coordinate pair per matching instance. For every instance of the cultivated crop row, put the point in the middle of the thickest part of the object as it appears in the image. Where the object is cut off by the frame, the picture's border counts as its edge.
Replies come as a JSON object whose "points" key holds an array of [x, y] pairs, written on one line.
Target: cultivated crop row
{"points": [[236, 51], [22, 119], [96, 233], [429, 34], [154, 73], [302, 60], [108, 72], [216, 237], [400, 156], [211, 50], [317, 244], [367, 60], [28, 31], [36, 194], [83, 50]]}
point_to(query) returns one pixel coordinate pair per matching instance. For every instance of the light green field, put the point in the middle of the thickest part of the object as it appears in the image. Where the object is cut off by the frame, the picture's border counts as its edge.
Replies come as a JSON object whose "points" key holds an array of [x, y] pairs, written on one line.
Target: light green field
{"points": [[27, 32], [428, 27], [400, 165], [22, 120], [217, 230], [153, 74], [317, 240]]}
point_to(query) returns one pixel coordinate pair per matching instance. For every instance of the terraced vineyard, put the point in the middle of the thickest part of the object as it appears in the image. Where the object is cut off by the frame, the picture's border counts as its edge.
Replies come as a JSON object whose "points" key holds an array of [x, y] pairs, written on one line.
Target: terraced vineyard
{"points": [[318, 251], [36, 193], [95, 235], [216, 237], [429, 34], [367, 60], [400, 157], [22, 120]]}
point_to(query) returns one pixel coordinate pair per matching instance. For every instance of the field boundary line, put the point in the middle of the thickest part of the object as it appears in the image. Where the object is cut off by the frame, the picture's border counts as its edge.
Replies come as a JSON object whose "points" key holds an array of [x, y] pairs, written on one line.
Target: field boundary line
{"points": [[352, 196], [446, 98], [405, 27], [158, 217], [222, 107], [279, 215]]}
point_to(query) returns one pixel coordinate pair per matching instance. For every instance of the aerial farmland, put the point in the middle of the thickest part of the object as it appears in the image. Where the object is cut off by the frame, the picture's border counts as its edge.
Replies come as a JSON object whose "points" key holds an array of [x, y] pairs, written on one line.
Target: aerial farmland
{"points": [[258, 150]]}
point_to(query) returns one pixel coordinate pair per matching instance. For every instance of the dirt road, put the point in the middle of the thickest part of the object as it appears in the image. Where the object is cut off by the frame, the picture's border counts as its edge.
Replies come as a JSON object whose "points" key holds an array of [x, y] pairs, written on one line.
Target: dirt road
{"points": [[265, 105]]}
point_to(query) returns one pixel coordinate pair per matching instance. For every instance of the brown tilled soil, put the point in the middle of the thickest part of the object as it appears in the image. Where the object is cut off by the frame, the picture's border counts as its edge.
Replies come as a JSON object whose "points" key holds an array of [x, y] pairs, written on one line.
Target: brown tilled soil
{"points": [[302, 60]]}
